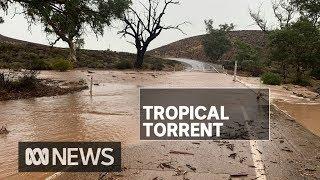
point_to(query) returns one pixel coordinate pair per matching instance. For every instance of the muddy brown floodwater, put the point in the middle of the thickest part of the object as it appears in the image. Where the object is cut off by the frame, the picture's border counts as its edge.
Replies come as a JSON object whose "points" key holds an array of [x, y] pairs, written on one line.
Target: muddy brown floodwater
{"points": [[306, 114], [305, 110], [111, 114]]}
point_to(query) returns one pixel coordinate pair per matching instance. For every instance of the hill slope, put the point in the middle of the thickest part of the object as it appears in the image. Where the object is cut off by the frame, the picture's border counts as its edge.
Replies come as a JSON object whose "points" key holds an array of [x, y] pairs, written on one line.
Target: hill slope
{"points": [[22, 54], [192, 47]]}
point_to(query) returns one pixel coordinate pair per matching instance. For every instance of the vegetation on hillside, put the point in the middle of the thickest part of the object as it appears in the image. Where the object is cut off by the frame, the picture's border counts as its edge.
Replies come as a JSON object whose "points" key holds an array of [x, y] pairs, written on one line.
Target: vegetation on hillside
{"points": [[291, 50], [39, 57], [68, 20], [294, 46]]}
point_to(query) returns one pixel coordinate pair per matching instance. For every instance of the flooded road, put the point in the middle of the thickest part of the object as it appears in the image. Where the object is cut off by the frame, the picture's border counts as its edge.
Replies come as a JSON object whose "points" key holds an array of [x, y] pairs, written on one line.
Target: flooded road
{"points": [[111, 114], [194, 65], [74, 117]]}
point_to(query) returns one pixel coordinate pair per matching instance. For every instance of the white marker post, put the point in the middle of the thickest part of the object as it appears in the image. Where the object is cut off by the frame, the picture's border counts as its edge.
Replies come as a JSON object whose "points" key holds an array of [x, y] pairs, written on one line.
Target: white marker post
{"points": [[235, 71], [91, 83]]}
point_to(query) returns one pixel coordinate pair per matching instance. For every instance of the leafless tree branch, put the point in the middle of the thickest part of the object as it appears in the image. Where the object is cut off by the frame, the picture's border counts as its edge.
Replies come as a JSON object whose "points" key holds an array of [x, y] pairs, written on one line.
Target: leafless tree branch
{"points": [[145, 26]]}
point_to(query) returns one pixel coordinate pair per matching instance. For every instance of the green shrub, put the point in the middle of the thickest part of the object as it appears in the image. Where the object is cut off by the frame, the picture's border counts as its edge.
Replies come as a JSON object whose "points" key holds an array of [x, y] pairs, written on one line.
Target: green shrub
{"points": [[124, 64], [157, 65], [228, 65], [39, 64], [271, 78], [316, 73], [253, 67], [302, 82], [16, 66], [61, 65], [95, 65]]}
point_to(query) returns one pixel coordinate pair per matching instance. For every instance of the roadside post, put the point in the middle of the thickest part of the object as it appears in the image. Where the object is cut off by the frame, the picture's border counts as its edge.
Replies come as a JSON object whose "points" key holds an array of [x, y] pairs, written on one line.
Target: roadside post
{"points": [[91, 83], [235, 71]]}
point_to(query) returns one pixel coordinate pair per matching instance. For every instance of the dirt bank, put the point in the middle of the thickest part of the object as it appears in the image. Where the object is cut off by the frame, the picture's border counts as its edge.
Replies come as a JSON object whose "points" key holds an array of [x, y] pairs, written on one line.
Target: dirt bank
{"points": [[42, 88]]}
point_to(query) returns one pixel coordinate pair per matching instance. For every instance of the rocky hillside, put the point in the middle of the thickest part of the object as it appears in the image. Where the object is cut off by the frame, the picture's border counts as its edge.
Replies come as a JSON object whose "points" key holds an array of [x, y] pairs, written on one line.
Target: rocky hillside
{"points": [[192, 47]]}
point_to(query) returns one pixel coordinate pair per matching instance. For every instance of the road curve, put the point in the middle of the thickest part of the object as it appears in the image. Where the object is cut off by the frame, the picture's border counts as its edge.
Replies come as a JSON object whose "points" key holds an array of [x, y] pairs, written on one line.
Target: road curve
{"points": [[195, 65]]}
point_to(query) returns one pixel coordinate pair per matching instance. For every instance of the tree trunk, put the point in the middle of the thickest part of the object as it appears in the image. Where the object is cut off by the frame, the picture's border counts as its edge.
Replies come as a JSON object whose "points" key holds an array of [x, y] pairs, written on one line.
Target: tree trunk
{"points": [[72, 52], [139, 60]]}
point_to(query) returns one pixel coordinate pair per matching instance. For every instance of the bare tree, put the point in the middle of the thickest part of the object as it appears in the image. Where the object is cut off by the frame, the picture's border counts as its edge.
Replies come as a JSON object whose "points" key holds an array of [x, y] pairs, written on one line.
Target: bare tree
{"points": [[4, 7], [261, 22], [283, 11], [146, 26]]}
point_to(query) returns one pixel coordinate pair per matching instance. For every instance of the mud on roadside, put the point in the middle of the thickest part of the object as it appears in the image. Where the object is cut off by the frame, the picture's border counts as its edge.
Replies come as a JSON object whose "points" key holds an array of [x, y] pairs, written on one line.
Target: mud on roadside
{"points": [[43, 88]]}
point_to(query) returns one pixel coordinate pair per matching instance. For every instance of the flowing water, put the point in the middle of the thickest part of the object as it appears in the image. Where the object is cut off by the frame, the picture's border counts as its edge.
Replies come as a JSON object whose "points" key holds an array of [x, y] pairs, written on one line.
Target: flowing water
{"points": [[110, 115], [306, 114]]}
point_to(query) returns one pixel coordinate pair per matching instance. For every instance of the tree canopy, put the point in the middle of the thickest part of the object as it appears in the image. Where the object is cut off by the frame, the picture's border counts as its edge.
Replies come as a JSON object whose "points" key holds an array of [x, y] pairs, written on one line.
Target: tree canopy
{"points": [[216, 41], [309, 9], [67, 20], [297, 45]]}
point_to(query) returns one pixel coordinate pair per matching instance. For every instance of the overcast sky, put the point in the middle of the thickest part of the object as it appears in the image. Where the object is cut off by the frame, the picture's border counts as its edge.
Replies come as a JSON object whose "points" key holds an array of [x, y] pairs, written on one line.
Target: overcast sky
{"points": [[193, 11]]}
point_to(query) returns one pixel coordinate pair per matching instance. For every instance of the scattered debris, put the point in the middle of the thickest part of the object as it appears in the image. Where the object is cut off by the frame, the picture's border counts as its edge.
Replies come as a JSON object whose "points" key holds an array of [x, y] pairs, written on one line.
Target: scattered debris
{"points": [[96, 84], [233, 155], [166, 165], [180, 172], [281, 141], [102, 175], [180, 152], [4, 130], [286, 149], [259, 151], [274, 162], [191, 167], [158, 178], [90, 72], [242, 160], [239, 175], [230, 146], [290, 119], [114, 76], [197, 143], [310, 168]]}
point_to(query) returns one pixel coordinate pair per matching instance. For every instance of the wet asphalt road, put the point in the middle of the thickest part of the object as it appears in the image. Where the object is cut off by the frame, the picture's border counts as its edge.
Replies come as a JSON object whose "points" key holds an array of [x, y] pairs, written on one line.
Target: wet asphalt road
{"points": [[194, 65]]}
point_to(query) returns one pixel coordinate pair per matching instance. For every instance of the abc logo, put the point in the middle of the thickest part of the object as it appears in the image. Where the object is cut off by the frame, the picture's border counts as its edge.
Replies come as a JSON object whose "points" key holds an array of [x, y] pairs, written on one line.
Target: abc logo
{"points": [[43, 156], [69, 156]]}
